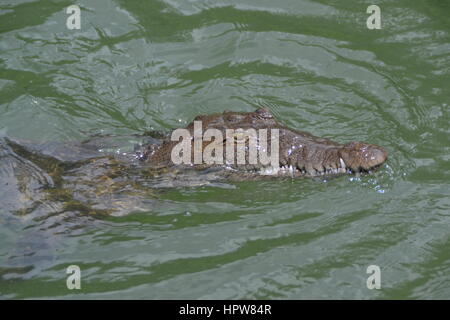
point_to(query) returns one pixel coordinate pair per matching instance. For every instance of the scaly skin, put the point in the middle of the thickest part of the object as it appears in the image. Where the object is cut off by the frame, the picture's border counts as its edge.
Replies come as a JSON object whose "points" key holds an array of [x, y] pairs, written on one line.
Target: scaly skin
{"points": [[300, 154]]}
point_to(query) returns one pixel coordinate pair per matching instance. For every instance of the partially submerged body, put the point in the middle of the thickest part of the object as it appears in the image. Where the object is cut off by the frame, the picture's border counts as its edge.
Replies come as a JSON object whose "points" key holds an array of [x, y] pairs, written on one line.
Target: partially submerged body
{"points": [[86, 177]]}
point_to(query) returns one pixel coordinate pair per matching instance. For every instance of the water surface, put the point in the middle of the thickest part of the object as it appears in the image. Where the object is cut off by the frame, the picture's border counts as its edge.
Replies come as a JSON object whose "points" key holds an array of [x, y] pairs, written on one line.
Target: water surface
{"points": [[136, 66]]}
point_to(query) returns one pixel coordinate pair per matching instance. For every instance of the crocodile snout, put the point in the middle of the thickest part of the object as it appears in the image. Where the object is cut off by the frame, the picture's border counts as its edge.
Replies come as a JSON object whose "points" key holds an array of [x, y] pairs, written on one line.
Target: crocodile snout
{"points": [[363, 156]]}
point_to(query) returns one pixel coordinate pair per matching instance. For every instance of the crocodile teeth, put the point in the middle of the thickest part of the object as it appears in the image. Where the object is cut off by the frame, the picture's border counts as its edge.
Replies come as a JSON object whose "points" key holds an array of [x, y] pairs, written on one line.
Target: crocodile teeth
{"points": [[291, 170], [342, 163]]}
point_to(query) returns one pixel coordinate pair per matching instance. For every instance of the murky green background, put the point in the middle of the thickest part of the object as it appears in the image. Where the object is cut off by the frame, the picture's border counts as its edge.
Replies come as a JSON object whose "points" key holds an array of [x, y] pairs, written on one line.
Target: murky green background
{"points": [[153, 65]]}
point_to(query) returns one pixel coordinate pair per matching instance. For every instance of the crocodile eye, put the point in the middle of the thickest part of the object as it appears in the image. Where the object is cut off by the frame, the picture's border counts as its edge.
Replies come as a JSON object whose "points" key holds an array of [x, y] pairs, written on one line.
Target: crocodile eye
{"points": [[264, 113]]}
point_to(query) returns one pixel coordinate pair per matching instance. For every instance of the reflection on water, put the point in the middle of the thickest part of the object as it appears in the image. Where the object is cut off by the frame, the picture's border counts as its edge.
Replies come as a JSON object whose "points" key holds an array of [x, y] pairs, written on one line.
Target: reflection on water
{"points": [[138, 66]]}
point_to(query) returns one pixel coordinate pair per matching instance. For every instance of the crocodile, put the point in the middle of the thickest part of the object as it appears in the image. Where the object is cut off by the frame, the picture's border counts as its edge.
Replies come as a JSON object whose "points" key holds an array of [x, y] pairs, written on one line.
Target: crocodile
{"points": [[93, 176]]}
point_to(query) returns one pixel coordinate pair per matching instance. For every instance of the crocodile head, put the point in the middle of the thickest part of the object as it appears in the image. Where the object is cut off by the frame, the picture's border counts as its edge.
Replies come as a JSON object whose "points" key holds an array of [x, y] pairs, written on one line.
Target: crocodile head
{"points": [[300, 153]]}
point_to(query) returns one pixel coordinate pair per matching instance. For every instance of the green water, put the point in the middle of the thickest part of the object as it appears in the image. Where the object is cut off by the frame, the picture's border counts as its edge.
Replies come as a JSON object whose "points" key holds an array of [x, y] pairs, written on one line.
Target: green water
{"points": [[141, 65]]}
